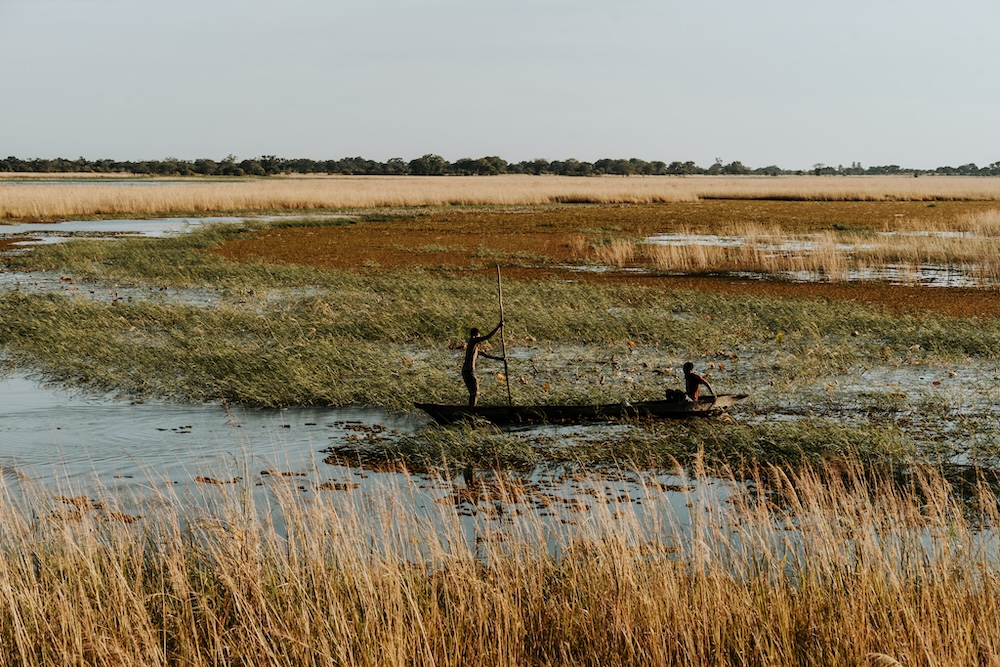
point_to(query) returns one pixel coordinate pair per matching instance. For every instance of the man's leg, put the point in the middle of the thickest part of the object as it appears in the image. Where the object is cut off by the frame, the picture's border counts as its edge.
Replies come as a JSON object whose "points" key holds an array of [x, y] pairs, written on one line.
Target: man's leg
{"points": [[473, 386]]}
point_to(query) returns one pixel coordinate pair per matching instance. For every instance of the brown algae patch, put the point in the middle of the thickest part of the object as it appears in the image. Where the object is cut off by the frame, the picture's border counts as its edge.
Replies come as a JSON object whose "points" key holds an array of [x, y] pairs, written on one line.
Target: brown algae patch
{"points": [[541, 242]]}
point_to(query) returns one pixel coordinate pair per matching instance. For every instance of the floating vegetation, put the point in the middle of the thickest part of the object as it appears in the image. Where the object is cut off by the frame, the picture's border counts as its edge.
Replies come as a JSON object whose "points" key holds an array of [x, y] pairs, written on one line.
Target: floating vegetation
{"points": [[80, 507], [331, 485], [201, 479]]}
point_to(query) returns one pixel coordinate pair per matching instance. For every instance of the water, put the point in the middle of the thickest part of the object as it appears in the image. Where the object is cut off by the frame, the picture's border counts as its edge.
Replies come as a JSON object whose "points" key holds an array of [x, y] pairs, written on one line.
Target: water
{"points": [[79, 445], [57, 232], [55, 437]]}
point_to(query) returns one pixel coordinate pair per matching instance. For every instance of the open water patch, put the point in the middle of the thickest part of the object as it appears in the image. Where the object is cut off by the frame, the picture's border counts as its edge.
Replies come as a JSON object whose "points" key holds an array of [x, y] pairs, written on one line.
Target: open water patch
{"points": [[53, 436], [27, 234]]}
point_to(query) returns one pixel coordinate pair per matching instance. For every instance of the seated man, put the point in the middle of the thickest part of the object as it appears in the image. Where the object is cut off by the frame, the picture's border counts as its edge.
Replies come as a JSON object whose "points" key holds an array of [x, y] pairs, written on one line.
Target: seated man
{"points": [[693, 383]]}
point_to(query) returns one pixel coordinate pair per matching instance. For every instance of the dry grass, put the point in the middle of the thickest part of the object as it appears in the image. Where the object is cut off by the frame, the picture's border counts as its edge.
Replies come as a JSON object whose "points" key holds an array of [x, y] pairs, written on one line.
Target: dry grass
{"points": [[850, 188], [26, 202], [617, 253], [970, 245], [826, 566]]}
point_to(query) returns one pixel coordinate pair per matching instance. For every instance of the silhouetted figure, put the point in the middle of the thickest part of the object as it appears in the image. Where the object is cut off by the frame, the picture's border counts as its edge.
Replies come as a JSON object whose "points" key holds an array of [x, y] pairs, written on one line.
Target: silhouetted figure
{"points": [[472, 353], [693, 383]]}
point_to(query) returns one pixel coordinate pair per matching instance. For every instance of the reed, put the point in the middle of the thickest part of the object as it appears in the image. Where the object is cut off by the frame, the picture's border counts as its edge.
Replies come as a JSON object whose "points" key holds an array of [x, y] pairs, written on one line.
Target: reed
{"points": [[27, 202], [968, 245], [822, 565], [617, 253]]}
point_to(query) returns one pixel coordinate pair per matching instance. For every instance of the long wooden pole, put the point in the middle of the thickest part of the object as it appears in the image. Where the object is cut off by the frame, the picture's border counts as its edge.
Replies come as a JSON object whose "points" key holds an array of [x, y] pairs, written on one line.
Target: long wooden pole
{"points": [[503, 338]]}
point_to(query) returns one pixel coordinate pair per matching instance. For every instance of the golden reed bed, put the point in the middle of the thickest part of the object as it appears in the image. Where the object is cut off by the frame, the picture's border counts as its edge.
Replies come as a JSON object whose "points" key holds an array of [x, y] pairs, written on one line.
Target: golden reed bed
{"points": [[832, 565], [20, 201]]}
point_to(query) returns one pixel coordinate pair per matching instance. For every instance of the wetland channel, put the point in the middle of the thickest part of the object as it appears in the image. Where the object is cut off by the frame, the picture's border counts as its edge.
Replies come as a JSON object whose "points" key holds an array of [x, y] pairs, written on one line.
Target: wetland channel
{"points": [[72, 445]]}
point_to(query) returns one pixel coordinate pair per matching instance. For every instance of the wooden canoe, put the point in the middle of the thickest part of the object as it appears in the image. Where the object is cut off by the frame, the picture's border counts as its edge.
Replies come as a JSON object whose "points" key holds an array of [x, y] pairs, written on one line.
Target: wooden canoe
{"points": [[444, 413]]}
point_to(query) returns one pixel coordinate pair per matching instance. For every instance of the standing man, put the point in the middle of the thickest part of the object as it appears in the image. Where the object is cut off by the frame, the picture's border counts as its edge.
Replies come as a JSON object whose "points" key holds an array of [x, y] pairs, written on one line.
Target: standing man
{"points": [[472, 353], [693, 382]]}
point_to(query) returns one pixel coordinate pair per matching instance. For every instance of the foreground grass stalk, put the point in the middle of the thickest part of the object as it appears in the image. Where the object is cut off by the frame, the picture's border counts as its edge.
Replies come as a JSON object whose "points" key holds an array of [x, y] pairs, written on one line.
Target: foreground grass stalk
{"points": [[816, 566]]}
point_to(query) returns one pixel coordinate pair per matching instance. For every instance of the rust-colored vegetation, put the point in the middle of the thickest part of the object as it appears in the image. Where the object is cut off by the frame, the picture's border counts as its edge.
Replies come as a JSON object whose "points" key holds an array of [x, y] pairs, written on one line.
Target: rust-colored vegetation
{"points": [[538, 242]]}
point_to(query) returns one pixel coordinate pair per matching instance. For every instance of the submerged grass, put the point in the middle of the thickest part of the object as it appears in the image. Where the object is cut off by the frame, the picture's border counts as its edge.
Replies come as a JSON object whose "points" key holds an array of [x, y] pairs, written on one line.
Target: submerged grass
{"points": [[714, 444], [819, 565]]}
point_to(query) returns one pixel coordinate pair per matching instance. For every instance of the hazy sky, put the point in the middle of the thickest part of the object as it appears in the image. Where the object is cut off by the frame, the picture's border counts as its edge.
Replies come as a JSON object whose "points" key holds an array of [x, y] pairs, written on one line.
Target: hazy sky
{"points": [[791, 83]]}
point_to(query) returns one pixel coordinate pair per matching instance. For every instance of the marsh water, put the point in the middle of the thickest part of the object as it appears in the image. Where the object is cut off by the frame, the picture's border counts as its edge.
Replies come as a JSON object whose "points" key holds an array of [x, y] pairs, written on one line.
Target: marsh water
{"points": [[56, 232], [58, 449], [72, 444]]}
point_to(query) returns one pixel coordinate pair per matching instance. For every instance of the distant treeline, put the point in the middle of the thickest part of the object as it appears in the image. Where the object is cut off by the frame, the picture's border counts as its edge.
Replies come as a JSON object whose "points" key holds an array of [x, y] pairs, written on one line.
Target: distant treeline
{"points": [[435, 165]]}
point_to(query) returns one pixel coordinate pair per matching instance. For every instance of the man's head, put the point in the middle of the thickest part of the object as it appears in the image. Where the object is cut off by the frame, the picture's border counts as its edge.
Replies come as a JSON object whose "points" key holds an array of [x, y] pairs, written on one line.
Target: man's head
{"points": [[688, 367], [473, 332]]}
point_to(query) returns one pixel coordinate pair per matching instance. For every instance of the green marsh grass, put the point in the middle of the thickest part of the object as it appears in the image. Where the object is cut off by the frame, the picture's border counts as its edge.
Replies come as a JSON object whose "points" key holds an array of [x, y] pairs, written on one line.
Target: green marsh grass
{"points": [[817, 565], [278, 334], [714, 444]]}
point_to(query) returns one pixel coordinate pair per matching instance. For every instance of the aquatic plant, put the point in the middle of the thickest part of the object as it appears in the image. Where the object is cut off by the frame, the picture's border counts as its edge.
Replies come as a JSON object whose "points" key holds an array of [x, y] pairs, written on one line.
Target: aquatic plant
{"points": [[394, 338]]}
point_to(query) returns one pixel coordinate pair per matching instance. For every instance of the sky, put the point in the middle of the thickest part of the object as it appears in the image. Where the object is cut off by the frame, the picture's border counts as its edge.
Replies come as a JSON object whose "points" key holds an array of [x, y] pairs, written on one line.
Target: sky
{"points": [[792, 83]]}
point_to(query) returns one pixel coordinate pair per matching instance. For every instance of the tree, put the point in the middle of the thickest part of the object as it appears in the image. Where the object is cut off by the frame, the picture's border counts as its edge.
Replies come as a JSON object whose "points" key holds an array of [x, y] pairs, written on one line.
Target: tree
{"points": [[655, 168], [683, 168], [572, 167], [271, 164], [395, 165], [229, 167], [205, 167], [735, 168], [252, 168], [537, 166], [428, 165]]}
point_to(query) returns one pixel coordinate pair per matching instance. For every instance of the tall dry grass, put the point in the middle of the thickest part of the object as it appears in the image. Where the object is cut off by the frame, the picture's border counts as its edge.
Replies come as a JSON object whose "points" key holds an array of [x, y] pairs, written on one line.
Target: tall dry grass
{"points": [[617, 252], [829, 565], [971, 245], [26, 202]]}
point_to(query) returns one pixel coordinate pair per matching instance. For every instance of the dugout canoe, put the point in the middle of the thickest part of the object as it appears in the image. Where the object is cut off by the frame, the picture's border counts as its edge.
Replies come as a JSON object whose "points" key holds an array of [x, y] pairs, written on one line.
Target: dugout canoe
{"points": [[444, 413]]}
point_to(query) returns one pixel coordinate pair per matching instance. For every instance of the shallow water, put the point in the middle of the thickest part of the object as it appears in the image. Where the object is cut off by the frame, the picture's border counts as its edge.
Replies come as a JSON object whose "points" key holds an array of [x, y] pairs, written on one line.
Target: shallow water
{"points": [[98, 446], [58, 449], [57, 232], [53, 437]]}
